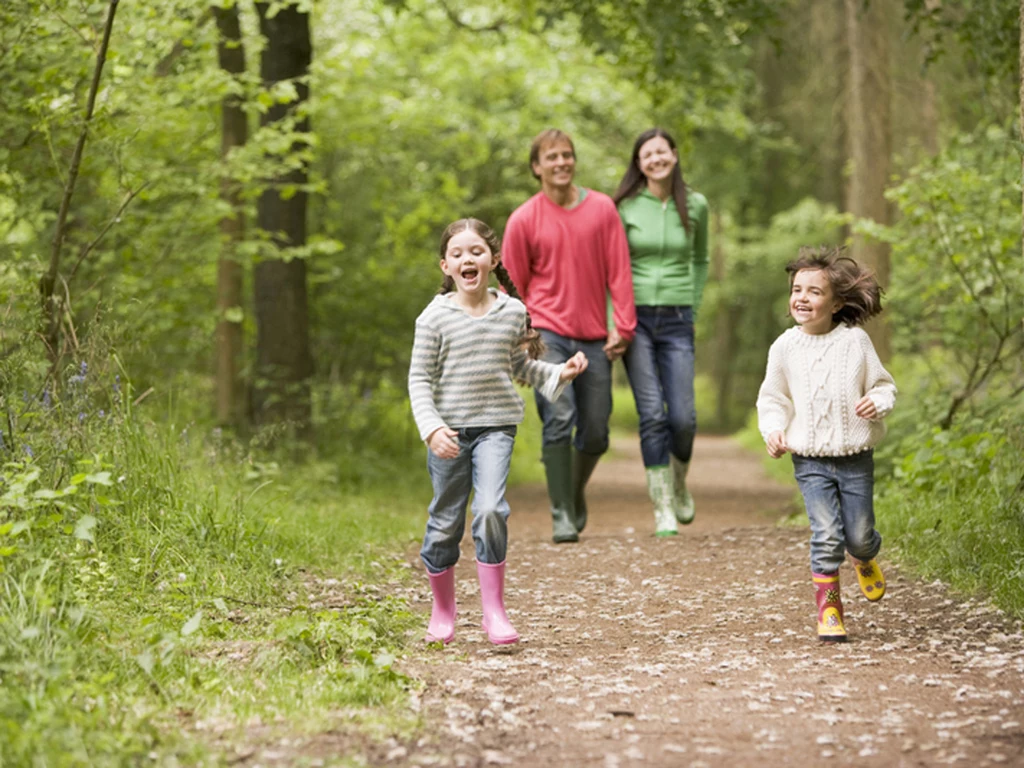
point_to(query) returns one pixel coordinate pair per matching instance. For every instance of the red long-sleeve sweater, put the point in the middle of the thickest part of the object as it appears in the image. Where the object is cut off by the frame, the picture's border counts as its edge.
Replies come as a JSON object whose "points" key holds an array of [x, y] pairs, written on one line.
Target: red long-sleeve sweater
{"points": [[565, 262]]}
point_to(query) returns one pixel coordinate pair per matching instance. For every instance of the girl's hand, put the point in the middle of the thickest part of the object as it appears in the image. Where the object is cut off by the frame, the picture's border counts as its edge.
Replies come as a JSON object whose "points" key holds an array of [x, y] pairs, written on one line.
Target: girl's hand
{"points": [[776, 445], [444, 443], [866, 408], [574, 366]]}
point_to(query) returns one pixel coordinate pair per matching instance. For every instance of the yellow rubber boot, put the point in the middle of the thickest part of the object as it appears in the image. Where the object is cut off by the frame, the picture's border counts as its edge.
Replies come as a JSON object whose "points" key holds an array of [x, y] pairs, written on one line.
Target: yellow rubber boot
{"points": [[830, 608], [870, 578]]}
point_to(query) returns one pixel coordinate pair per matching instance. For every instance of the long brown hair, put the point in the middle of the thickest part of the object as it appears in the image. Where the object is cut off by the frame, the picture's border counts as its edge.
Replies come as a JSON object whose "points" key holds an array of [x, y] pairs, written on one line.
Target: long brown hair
{"points": [[852, 283], [531, 340], [633, 181]]}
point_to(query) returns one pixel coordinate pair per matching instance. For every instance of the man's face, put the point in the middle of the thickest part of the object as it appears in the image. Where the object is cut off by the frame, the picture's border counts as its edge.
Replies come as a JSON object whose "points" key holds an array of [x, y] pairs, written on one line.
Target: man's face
{"points": [[556, 165]]}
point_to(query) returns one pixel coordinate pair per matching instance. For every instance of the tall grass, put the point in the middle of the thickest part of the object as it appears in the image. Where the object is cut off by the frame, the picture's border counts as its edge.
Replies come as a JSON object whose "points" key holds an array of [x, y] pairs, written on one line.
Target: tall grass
{"points": [[156, 576]]}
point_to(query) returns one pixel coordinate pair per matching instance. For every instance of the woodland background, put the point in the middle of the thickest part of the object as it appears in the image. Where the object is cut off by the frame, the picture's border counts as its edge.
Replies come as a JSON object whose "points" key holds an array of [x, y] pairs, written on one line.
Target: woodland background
{"points": [[218, 222]]}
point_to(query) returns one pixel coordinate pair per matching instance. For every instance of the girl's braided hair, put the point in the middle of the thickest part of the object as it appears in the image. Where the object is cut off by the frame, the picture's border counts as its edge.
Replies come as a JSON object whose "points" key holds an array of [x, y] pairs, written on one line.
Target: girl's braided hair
{"points": [[852, 283], [531, 341]]}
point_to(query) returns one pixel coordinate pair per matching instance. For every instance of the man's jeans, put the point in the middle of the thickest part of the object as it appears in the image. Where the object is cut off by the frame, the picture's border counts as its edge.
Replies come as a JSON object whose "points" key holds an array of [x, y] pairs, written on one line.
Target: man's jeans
{"points": [[485, 455], [838, 493], [660, 367], [586, 404]]}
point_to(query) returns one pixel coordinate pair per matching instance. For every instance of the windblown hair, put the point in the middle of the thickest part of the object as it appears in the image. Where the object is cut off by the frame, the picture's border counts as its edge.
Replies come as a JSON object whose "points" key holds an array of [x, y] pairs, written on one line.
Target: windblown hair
{"points": [[633, 181], [531, 341], [853, 284], [543, 139]]}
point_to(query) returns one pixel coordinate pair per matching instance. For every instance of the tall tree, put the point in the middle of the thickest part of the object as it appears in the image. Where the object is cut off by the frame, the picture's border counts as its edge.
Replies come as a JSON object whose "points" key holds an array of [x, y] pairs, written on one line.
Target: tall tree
{"points": [[51, 294], [234, 133], [870, 138], [283, 361]]}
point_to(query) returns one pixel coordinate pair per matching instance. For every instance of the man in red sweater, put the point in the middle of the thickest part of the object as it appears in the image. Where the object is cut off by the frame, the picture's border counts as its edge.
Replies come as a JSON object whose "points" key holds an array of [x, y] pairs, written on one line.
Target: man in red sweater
{"points": [[566, 251]]}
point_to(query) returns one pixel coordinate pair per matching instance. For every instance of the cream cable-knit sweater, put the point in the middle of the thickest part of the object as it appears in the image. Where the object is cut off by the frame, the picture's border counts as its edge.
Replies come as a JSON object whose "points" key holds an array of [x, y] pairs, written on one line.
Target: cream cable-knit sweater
{"points": [[812, 385]]}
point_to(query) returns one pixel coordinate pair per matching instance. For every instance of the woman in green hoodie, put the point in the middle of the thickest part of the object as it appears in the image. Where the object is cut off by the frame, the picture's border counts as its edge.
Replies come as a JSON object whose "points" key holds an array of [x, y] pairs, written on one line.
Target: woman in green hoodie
{"points": [[667, 228]]}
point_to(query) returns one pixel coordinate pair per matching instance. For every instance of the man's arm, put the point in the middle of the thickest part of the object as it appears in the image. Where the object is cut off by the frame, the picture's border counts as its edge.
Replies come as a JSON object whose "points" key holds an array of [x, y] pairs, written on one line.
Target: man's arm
{"points": [[515, 254], [620, 279]]}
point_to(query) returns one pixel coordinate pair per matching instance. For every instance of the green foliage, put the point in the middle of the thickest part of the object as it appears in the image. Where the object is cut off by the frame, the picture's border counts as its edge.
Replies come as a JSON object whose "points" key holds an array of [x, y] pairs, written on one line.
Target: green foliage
{"points": [[958, 277], [954, 508], [130, 551]]}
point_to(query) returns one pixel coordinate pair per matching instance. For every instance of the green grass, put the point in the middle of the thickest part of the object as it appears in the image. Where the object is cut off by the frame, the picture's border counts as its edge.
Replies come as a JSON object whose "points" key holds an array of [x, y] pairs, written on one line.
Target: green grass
{"points": [[154, 578]]}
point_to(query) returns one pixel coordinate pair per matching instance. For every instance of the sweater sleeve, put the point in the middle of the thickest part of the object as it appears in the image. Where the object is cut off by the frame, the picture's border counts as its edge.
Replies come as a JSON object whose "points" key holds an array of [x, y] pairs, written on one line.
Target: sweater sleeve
{"points": [[542, 376], [620, 277], [879, 384], [774, 401], [515, 254], [423, 374], [700, 257]]}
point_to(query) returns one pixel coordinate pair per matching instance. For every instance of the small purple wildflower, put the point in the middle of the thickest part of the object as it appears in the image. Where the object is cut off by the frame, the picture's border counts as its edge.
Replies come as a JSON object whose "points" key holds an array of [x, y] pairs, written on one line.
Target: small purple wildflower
{"points": [[28, 450], [81, 417], [83, 368], [47, 400], [102, 413], [117, 384]]}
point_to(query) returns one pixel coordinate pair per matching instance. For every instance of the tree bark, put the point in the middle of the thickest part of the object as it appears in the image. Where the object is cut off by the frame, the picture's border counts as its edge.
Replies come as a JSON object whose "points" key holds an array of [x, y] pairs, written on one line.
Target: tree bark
{"points": [[283, 361], [52, 303], [725, 334], [870, 140], [1021, 126], [228, 342]]}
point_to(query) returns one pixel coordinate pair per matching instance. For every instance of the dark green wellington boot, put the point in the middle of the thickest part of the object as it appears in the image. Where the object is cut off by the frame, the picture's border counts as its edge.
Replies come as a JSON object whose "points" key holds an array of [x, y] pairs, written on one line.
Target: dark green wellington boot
{"points": [[558, 466], [582, 468]]}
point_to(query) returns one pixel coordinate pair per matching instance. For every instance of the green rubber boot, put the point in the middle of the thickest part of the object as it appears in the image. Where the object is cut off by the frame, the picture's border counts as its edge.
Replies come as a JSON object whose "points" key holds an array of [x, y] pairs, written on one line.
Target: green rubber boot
{"points": [[661, 487], [558, 467], [684, 501], [582, 468]]}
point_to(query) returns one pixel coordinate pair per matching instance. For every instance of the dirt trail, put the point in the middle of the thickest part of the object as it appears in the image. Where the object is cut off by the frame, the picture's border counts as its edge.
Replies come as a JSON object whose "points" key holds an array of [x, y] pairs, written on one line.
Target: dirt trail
{"points": [[700, 650]]}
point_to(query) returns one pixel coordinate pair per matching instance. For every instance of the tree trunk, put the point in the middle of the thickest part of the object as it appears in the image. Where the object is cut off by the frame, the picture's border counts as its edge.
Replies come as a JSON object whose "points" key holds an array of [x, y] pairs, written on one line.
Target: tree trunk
{"points": [[228, 342], [283, 361], [870, 139], [725, 335], [1021, 126], [52, 299]]}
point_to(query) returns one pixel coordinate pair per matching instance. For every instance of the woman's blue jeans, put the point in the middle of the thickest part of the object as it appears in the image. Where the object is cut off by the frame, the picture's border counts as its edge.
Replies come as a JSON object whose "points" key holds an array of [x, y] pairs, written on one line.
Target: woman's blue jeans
{"points": [[585, 404], [485, 455], [659, 363], [838, 492]]}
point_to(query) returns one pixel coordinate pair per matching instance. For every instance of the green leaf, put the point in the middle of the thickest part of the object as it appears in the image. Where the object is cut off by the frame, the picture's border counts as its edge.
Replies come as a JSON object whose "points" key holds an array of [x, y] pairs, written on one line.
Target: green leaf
{"points": [[146, 661], [192, 624], [99, 478], [83, 528]]}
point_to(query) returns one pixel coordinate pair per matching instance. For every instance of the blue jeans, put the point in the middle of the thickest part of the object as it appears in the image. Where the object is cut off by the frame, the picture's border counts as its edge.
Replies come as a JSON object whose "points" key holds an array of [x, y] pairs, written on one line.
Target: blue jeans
{"points": [[586, 403], [485, 455], [838, 493], [659, 363]]}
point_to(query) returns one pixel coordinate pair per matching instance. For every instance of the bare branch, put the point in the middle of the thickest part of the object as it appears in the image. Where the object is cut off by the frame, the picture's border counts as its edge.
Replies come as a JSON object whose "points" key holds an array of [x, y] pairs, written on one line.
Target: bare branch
{"points": [[89, 248], [48, 283]]}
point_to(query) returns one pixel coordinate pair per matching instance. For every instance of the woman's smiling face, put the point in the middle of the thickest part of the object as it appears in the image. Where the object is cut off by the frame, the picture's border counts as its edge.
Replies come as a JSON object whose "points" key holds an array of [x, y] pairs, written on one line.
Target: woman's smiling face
{"points": [[656, 159]]}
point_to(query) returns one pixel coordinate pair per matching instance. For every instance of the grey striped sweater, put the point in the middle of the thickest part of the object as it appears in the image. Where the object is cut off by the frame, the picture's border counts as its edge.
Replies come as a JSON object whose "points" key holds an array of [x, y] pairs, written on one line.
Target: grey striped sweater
{"points": [[462, 369]]}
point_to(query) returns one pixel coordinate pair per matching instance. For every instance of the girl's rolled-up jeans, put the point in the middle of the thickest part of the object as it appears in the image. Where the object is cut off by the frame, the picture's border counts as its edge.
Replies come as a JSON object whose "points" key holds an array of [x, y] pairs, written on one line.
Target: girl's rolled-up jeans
{"points": [[838, 492], [485, 455]]}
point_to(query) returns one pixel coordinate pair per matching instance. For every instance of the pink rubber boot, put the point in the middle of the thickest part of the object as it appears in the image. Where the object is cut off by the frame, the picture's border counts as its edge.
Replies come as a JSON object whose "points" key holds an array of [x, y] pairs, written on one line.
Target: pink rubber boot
{"points": [[442, 616], [492, 596]]}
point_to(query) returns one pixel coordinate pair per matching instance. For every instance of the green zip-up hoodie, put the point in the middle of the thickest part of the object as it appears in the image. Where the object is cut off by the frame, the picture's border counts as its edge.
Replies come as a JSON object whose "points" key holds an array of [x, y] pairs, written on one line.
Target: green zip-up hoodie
{"points": [[670, 265]]}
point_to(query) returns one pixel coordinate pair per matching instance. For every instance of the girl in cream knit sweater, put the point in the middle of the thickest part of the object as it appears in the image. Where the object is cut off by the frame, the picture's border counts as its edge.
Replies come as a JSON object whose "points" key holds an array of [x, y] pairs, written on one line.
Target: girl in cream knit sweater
{"points": [[823, 398]]}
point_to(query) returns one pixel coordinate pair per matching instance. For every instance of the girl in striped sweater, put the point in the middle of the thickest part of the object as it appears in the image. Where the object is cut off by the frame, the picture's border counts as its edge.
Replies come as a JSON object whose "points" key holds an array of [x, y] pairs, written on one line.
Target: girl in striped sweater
{"points": [[472, 342], [823, 399]]}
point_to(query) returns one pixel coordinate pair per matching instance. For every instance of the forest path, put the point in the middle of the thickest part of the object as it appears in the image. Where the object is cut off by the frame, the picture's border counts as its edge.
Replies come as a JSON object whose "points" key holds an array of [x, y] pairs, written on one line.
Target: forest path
{"points": [[700, 650]]}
